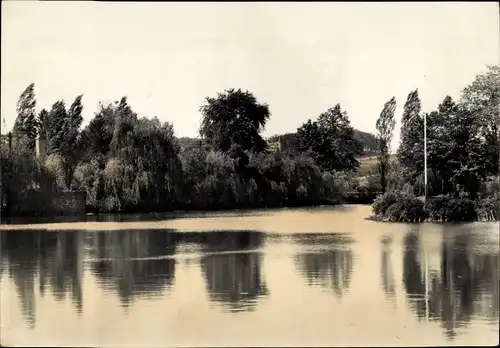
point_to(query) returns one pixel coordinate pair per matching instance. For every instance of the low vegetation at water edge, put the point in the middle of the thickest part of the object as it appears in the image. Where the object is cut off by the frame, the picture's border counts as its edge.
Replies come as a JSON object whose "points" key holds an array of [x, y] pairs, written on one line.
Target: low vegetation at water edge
{"points": [[399, 206]]}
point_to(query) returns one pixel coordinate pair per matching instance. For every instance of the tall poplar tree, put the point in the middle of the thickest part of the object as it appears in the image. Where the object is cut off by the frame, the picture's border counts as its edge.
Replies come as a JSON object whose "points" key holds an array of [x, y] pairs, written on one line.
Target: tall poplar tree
{"points": [[411, 149], [25, 124], [385, 127]]}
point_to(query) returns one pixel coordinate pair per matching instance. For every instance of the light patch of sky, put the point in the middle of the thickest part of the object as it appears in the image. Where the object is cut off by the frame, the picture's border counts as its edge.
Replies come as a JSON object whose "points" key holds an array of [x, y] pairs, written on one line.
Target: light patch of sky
{"points": [[300, 58]]}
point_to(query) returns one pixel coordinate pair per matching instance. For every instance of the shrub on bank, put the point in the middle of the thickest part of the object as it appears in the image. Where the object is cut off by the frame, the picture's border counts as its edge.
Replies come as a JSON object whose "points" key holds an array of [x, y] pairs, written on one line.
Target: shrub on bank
{"points": [[397, 206], [488, 208], [384, 201], [448, 208]]}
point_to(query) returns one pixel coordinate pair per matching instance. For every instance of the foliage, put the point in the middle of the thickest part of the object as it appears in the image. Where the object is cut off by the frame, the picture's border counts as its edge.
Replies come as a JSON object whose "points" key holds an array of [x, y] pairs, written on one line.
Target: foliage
{"points": [[89, 178], [136, 165], [482, 99], [128, 163], [42, 123], [488, 208], [384, 201], [410, 151], [330, 141], [135, 160], [448, 208], [456, 149], [463, 139], [21, 174], [368, 141], [54, 165], [234, 117], [404, 207], [385, 126], [409, 209], [62, 130], [25, 123], [397, 206]]}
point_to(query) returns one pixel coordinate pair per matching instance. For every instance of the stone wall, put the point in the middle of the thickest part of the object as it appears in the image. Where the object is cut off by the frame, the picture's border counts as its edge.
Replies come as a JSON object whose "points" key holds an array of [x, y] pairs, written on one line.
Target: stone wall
{"points": [[36, 203], [69, 203]]}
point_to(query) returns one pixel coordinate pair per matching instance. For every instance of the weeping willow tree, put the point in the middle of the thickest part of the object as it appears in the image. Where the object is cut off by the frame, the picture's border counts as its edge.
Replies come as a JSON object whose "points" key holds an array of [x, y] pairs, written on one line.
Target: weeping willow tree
{"points": [[133, 161]]}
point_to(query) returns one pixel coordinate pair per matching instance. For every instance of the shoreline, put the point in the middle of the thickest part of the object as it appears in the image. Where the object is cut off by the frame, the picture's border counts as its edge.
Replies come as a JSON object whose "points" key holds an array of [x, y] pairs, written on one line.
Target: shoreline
{"points": [[377, 218], [160, 216], [156, 220]]}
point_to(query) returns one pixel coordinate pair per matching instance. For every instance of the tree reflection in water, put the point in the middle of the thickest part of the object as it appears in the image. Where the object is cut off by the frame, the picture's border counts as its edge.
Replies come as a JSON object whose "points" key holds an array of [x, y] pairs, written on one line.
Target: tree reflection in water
{"points": [[129, 263], [386, 272], [46, 257], [133, 263], [465, 285], [327, 261], [232, 268]]}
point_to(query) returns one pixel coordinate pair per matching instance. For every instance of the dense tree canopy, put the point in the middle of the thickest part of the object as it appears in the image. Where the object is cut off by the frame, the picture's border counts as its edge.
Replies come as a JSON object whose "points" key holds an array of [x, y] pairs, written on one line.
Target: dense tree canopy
{"points": [[482, 99], [462, 138], [129, 159], [330, 141], [234, 117]]}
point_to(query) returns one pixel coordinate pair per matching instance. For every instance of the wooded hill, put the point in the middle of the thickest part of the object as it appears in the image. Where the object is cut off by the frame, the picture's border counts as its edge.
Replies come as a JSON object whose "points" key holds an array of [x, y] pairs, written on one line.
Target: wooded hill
{"points": [[368, 140]]}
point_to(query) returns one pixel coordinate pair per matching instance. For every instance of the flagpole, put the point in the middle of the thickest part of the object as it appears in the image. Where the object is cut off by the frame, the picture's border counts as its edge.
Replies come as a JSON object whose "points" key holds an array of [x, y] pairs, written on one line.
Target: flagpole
{"points": [[425, 158]]}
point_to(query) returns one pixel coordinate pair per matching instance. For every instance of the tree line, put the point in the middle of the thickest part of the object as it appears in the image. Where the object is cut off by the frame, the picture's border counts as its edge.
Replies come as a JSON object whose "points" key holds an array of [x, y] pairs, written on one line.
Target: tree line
{"points": [[130, 163], [463, 144]]}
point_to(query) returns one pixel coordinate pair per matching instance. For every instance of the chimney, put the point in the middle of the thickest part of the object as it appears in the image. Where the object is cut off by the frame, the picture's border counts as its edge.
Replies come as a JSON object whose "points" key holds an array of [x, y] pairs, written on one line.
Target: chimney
{"points": [[40, 148]]}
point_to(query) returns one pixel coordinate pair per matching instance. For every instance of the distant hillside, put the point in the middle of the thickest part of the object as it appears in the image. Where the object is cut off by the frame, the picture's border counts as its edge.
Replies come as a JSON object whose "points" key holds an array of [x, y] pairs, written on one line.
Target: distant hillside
{"points": [[368, 140], [189, 143]]}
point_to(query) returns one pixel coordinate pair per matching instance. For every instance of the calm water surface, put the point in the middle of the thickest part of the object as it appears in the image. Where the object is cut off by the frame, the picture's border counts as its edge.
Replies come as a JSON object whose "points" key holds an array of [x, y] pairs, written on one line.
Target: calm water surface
{"points": [[298, 277]]}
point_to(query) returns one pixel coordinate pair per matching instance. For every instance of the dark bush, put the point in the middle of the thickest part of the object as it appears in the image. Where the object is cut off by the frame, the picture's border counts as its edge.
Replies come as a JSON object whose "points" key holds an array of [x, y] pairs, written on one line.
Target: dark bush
{"points": [[448, 208], [384, 201], [488, 208], [406, 209], [413, 210], [398, 206], [437, 208]]}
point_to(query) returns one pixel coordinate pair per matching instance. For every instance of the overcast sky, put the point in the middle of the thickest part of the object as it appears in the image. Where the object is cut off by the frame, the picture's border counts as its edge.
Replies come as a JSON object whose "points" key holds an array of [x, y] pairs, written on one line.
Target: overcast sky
{"points": [[300, 58]]}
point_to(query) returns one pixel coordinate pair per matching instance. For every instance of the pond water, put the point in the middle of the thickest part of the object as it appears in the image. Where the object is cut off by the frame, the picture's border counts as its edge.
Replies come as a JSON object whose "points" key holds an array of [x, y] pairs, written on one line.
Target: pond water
{"points": [[295, 277]]}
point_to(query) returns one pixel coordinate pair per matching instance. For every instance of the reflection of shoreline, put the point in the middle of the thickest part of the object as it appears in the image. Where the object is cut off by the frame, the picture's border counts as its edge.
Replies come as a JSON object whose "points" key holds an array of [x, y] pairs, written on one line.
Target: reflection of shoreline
{"points": [[232, 270], [453, 291], [129, 264], [53, 259], [386, 271], [328, 263], [125, 262]]}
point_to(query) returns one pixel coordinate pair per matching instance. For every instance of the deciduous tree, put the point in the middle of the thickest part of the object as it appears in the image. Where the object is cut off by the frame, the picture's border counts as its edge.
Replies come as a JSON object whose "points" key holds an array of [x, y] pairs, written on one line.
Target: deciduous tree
{"points": [[482, 99], [330, 141], [234, 117]]}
